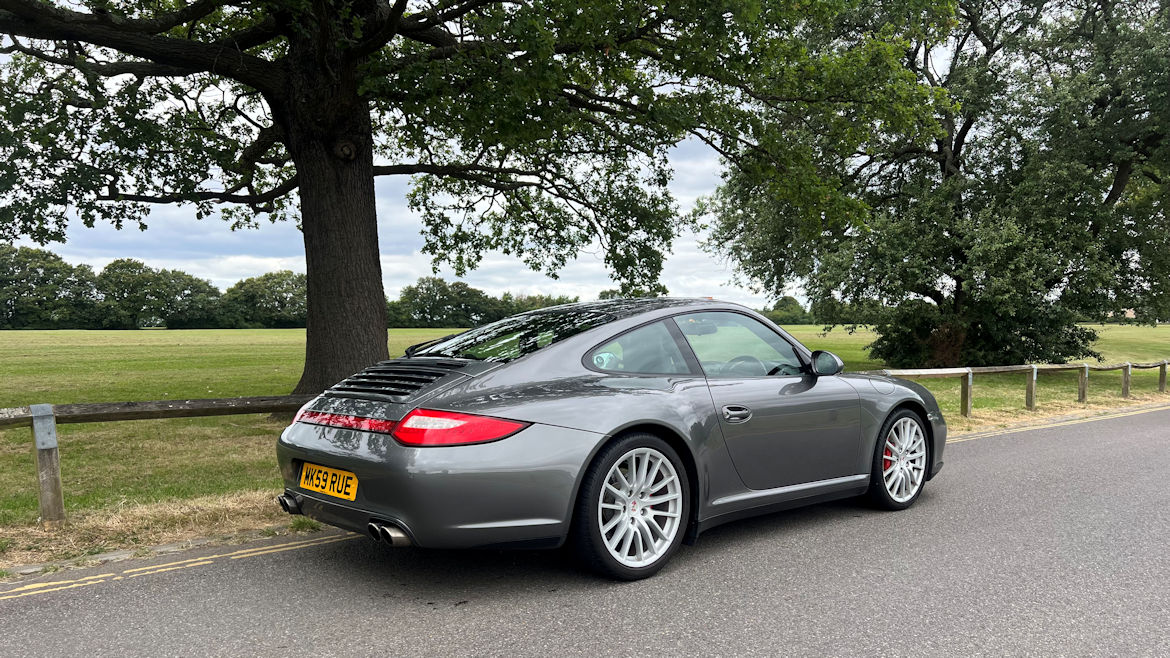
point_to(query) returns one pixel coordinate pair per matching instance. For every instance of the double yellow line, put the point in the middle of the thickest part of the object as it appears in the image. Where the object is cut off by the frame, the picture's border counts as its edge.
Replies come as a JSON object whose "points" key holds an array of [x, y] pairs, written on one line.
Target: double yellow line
{"points": [[1063, 423], [33, 589]]}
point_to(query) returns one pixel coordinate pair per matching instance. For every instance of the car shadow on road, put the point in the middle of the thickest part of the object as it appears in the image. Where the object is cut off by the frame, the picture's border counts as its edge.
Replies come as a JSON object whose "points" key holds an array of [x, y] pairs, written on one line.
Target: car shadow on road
{"points": [[432, 577]]}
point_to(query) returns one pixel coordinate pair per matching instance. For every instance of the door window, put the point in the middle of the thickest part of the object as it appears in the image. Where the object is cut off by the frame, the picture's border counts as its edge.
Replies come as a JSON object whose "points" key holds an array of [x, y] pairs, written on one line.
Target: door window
{"points": [[646, 350], [734, 345]]}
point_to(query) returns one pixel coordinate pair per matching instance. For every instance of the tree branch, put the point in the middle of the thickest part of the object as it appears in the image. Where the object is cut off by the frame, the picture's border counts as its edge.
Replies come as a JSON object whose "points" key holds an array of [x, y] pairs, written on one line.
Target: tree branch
{"points": [[225, 196], [35, 20]]}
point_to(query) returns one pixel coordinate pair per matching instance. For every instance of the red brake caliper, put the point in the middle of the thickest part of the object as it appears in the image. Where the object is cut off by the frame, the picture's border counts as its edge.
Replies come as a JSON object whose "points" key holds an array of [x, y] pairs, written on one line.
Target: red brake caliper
{"points": [[887, 459]]}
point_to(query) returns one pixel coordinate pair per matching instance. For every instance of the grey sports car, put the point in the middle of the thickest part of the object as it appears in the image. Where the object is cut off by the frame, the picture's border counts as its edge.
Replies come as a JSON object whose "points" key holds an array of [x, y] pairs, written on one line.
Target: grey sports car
{"points": [[625, 427]]}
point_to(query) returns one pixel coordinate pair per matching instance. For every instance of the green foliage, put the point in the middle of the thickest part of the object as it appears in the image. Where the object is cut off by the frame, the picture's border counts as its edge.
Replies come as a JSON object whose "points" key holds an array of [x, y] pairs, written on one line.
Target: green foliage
{"points": [[275, 299], [1035, 196], [536, 129], [39, 290], [788, 311], [433, 302]]}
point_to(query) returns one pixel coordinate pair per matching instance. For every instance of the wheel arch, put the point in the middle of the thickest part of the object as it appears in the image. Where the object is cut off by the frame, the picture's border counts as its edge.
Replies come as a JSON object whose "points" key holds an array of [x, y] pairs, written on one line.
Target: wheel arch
{"points": [[672, 438]]}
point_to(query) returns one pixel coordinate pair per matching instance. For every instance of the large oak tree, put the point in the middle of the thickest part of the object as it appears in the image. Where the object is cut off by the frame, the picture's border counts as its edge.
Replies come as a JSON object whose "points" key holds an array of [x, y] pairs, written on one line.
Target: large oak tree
{"points": [[1035, 198], [534, 128]]}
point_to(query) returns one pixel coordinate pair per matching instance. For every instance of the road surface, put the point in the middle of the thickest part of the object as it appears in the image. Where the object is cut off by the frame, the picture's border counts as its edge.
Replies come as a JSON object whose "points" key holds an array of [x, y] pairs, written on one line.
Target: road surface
{"points": [[1052, 541]]}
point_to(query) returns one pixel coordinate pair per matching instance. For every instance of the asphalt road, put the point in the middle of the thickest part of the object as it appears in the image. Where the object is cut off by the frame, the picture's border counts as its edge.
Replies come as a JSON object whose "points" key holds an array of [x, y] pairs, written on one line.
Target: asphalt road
{"points": [[1046, 542]]}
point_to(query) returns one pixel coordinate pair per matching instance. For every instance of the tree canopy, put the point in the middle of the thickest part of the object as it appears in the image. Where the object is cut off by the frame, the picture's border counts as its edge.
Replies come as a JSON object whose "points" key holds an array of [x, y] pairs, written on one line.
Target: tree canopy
{"points": [[533, 128], [1035, 197], [39, 290]]}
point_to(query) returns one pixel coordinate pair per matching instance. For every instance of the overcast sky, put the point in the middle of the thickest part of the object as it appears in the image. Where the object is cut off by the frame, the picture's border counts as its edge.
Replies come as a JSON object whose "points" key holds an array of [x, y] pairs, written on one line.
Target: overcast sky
{"points": [[208, 249]]}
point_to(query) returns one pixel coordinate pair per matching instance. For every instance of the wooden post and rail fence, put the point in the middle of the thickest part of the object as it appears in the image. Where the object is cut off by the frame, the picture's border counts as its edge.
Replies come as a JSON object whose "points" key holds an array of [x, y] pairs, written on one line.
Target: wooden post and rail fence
{"points": [[44, 418]]}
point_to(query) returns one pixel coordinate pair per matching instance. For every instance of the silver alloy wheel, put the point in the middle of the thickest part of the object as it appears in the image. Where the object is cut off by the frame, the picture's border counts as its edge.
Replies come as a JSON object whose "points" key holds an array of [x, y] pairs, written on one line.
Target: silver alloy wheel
{"points": [[904, 459], [640, 507]]}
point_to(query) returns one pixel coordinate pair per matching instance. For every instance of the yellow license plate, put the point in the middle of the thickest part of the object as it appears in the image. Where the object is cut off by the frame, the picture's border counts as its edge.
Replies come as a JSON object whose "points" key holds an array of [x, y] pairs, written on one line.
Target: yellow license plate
{"points": [[329, 481]]}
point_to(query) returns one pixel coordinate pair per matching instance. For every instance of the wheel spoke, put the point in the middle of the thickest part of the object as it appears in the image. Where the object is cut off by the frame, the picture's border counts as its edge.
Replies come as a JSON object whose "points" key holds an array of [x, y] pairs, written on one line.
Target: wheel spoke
{"points": [[665, 482], [611, 524], [619, 494], [654, 528], [658, 500], [628, 539], [623, 530], [651, 475], [622, 479]]}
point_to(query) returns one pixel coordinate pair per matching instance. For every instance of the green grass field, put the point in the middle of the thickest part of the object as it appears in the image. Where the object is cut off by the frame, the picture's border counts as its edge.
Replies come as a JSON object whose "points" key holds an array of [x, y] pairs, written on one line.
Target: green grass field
{"points": [[111, 466]]}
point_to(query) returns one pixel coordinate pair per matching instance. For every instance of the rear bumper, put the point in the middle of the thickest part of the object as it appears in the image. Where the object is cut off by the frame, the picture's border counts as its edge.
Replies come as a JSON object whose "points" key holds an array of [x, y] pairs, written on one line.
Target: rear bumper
{"points": [[518, 491]]}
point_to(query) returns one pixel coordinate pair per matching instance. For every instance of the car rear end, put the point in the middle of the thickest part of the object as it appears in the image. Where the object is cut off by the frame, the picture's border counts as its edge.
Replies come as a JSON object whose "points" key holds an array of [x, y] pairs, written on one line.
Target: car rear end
{"points": [[380, 454]]}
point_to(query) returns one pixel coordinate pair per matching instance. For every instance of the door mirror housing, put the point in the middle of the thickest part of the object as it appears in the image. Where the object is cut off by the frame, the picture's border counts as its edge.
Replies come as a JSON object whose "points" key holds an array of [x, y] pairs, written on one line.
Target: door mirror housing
{"points": [[826, 363]]}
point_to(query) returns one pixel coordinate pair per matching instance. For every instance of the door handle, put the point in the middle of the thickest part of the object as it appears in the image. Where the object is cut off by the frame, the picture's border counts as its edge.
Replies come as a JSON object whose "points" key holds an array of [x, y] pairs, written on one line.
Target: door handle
{"points": [[735, 413]]}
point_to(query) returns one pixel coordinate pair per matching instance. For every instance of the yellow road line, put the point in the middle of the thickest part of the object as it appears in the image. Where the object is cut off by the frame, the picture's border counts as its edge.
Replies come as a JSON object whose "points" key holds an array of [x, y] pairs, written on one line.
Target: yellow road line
{"points": [[183, 566], [55, 589], [1075, 421], [56, 586], [303, 542], [333, 540], [53, 584]]}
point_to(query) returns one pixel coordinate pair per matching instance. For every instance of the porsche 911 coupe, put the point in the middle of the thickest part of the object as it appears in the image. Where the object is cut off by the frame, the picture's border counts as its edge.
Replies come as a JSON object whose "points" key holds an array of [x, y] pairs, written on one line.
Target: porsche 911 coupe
{"points": [[624, 427]]}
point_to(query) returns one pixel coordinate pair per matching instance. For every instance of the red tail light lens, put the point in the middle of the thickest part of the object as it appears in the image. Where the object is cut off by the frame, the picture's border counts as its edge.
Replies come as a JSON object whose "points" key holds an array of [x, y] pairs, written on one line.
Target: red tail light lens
{"points": [[346, 421], [427, 427]]}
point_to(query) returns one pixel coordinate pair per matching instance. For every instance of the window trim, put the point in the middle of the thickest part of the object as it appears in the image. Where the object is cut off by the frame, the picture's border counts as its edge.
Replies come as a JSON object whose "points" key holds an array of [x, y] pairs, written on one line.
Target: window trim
{"points": [[796, 346], [694, 368]]}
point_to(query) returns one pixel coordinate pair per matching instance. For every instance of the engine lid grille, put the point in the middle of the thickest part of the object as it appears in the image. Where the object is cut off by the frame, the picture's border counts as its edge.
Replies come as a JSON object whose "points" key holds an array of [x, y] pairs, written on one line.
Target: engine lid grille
{"points": [[396, 379]]}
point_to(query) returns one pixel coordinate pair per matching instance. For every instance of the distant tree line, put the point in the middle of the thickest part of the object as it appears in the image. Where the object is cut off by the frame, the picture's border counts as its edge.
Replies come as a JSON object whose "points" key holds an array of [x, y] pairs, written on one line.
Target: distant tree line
{"points": [[39, 290]]}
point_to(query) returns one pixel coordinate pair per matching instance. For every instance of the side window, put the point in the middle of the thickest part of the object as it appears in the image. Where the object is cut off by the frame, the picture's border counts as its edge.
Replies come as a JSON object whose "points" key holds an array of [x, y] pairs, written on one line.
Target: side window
{"points": [[734, 345], [649, 350]]}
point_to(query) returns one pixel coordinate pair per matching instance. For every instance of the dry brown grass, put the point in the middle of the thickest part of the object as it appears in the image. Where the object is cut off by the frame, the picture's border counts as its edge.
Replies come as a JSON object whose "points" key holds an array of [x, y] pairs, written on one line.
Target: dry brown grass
{"points": [[130, 526], [983, 420]]}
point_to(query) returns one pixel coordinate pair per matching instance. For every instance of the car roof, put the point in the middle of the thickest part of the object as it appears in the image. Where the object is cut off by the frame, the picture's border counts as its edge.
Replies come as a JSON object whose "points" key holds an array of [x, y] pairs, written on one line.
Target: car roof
{"points": [[620, 309]]}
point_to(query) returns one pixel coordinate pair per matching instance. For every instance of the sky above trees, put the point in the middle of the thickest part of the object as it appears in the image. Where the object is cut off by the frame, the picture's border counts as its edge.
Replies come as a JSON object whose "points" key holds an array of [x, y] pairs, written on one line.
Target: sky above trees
{"points": [[176, 240]]}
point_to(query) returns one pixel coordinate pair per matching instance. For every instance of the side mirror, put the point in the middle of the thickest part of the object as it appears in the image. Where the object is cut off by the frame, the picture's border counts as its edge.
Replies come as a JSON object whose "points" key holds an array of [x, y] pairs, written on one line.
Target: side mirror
{"points": [[826, 363]]}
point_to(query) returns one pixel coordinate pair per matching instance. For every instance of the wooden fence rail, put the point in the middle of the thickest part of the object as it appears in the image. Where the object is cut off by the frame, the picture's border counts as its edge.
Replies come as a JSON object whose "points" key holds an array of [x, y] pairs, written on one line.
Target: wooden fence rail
{"points": [[44, 418], [967, 378]]}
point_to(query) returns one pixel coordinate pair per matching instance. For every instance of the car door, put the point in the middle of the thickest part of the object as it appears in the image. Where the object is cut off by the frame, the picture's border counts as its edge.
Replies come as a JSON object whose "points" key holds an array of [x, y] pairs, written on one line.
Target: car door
{"points": [[782, 425]]}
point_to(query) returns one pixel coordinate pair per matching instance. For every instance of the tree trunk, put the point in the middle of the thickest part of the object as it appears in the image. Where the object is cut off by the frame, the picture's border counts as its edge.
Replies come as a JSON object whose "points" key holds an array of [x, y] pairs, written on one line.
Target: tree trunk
{"points": [[329, 136]]}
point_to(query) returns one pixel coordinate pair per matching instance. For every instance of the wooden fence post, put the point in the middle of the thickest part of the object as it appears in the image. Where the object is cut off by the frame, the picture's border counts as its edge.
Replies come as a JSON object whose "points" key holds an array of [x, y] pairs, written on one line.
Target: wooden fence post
{"points": [[1030, 393], [1125, 375], [966, 401], [1083, 385], [1162, 376], [44, 426]]}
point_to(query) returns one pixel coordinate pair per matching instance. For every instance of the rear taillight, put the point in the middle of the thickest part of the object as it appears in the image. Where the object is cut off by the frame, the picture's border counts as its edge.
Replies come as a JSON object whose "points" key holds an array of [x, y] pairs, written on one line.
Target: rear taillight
{"points": [[346, 421], [423, 427], [427, 427]]}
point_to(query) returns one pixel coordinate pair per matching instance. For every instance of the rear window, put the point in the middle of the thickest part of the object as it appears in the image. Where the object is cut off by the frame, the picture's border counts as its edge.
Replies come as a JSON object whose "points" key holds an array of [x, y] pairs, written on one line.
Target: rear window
{"points": [[518, 335]]}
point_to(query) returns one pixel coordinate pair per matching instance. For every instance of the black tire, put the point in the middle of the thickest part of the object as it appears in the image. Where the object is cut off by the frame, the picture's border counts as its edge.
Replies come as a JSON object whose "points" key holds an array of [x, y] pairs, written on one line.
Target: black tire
{"points": [[878, 495], [586, 535]]}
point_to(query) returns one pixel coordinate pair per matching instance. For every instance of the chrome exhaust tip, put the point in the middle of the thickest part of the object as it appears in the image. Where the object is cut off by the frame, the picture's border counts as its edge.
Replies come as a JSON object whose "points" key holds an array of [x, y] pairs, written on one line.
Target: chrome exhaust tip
{"points": [[288, 503], [389, 533]]}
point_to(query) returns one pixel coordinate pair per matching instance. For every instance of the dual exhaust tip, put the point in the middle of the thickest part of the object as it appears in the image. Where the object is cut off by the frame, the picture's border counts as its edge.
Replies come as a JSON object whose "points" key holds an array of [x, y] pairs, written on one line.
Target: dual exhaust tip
{"points": [[386, 532], [379, 530]]}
